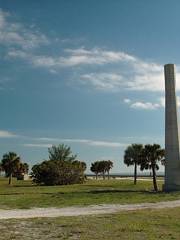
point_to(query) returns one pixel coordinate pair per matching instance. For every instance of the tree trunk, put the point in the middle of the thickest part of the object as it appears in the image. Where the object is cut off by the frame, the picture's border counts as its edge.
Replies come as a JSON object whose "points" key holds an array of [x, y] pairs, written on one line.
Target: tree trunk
{"points": [[108, 175], [135, 173], [103, 175], [10, 178], [154, 179], [96, 176]]}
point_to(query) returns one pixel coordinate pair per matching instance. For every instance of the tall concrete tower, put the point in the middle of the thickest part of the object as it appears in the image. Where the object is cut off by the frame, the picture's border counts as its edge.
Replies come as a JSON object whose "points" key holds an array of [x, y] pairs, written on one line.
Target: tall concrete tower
{"points": [[172, 148]]}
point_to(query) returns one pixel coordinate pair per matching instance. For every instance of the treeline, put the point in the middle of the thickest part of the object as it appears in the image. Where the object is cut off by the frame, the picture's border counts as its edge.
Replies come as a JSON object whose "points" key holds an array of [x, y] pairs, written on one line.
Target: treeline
{"points": [[63, 167], [101, 167], [147, 157]]}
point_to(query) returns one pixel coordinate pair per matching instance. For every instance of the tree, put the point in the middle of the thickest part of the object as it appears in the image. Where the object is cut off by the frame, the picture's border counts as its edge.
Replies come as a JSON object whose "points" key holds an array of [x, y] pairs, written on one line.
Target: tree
{"points": [[61, 153], [95, 168], [10, 164], [132, 156], [45, 173], [61, 169], [21, 171], [101, 167], [151, 155], [57, 173], [81, 164], [108, 166]]}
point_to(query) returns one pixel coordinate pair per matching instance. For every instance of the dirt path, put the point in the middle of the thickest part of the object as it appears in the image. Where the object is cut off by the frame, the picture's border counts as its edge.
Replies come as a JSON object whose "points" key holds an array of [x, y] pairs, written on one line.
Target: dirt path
{"points": [[88, 210]]}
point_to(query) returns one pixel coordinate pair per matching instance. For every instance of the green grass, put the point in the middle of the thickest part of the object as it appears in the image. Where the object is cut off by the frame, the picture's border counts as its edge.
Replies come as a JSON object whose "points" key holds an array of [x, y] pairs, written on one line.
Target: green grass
{"points": [[23, 194], [136, 225]]}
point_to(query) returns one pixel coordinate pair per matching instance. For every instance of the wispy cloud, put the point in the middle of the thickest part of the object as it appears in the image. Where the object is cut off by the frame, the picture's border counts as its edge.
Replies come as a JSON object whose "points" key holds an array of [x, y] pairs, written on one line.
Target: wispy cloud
{"points": [[129, 72], [15, 34], [117, 70], [127, 100], [83, 141], [7, 134], [136, 75], [103, 81], [74, 57], [95, 56], [144, 105], [46, 142], [35, 145], [141, 105]]}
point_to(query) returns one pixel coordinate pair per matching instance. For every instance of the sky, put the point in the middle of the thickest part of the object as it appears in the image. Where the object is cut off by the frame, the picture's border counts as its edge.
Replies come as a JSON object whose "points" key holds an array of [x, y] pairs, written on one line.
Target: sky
{"points": [[85, 73]]}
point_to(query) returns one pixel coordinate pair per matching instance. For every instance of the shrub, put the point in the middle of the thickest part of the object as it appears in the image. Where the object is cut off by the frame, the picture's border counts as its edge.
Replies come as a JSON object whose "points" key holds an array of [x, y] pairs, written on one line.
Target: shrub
{"points": [[61, 171]]}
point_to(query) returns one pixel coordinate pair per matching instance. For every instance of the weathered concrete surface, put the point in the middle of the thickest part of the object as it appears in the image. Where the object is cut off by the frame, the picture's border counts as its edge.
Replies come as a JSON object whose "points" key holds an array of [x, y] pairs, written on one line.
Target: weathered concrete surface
{"points": [[172, 153]]}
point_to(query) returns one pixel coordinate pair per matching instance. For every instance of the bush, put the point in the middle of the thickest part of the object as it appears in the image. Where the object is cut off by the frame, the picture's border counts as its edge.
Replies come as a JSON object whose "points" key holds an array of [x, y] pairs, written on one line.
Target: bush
{"points": [[61, 171], [57, 173]]}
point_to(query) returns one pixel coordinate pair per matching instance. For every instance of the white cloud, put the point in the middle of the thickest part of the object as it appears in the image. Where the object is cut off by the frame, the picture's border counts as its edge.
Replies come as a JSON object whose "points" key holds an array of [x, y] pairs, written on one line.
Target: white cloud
{"points": [[127, 100], [106, 144], [123, 71], [133, 74], [34, 145], [17, 53], [15, 34], [84, 141], [94, 56], [75, 57], [144, 105], [103, 81], [160, 103], [6, 134]]}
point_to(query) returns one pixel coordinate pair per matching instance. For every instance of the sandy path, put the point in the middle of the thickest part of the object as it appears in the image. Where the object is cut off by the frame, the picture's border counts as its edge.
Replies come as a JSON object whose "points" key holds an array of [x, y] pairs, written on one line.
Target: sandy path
{"points": [[88, 210]]}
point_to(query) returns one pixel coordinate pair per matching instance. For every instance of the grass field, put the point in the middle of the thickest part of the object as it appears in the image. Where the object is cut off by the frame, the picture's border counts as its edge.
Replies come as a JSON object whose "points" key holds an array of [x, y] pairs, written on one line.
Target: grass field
{"points": [[139, 225], [23, 194], [136, 225]]}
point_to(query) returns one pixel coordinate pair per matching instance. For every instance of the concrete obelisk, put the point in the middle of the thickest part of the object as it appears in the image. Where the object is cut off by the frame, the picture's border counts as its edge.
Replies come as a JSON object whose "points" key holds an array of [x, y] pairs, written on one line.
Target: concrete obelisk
{"points": [[172, 148]]}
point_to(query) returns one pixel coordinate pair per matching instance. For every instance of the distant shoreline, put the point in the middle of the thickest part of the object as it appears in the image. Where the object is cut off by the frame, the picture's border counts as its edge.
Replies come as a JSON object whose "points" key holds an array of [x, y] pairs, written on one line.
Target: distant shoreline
{"points": [[122, 175]]}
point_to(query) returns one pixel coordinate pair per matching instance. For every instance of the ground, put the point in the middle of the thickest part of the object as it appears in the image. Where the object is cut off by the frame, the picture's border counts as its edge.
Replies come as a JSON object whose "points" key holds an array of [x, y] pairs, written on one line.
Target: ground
{"points": [[23, 194], [139, 225], [136, 225]]}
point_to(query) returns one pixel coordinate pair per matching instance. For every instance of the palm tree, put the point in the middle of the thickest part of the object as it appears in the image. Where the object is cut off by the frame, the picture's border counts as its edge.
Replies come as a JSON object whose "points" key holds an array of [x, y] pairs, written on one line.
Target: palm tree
{"points": [[152, 154], [132, 156], [10, 164], [108, 166], [61, 153], [95, 168], [102, 168]]}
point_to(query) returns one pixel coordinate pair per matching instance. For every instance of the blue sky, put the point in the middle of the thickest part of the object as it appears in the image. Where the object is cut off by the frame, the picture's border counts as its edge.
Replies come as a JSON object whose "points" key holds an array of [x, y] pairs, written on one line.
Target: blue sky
{"points": [[85, 73]]}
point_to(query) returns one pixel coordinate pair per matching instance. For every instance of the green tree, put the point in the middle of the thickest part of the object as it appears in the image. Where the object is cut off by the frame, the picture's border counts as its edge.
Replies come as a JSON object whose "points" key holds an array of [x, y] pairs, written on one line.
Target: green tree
{"points": [[10, 164], [151, 156], [61, 153], [45, 173], [61, 169], [102, 168], [81, 164], [108, 166], [132, 156], [21, 171], [95, 168]]}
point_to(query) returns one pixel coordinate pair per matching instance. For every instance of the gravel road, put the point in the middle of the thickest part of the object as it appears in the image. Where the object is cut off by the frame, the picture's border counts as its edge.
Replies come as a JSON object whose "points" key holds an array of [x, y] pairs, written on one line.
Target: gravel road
{"points": [[88, 210]]}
